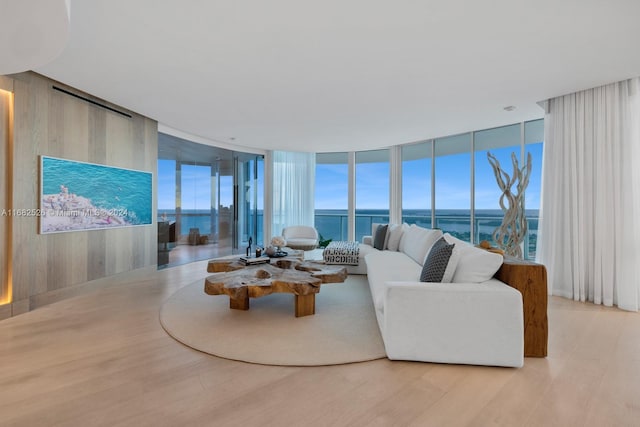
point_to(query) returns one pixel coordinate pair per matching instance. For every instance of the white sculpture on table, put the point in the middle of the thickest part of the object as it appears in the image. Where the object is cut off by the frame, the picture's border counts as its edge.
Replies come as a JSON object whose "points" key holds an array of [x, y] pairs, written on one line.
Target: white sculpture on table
{"points": [[511, 233]]}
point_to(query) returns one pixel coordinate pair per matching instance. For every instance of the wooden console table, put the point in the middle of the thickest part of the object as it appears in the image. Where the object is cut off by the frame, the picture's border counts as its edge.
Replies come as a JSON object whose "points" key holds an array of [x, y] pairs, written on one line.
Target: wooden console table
{"points": [[530, 279]]}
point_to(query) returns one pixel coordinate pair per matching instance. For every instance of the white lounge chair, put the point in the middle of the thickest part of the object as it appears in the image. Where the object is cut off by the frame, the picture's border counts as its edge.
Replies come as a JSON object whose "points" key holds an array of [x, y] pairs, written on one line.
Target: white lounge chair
{"points": [[301, 237]]}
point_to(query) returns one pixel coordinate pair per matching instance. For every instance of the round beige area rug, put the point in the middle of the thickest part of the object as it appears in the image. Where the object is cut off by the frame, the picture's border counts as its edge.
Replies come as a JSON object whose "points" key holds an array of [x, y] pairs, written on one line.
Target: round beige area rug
{"points": [[343, 330]]}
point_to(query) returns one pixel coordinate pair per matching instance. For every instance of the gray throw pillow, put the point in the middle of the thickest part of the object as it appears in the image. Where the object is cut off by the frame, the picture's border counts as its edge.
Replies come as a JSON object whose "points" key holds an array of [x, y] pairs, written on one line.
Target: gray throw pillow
{"points": [[379, 238], [436, 262]]}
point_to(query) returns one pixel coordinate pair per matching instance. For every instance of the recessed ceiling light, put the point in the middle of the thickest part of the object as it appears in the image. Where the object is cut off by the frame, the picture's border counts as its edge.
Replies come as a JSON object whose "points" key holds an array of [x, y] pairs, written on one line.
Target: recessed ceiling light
{"points": [[509, 108]]}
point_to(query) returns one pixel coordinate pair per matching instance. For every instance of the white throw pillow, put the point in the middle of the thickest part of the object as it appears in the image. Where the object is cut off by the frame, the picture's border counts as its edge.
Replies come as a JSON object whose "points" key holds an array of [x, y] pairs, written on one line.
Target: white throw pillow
{"points": [[475, 265], [451, 267], [417, 241], [394, 234], [405, 228]]}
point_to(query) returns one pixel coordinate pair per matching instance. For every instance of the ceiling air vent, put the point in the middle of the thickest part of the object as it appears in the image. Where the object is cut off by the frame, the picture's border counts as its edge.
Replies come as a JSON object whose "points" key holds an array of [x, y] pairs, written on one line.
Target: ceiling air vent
{"points": [[91, 101]]}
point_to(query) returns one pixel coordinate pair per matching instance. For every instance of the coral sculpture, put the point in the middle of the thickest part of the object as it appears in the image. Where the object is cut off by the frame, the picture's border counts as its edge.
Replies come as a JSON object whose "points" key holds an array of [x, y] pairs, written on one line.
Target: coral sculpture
{"points": [[511, 233]]}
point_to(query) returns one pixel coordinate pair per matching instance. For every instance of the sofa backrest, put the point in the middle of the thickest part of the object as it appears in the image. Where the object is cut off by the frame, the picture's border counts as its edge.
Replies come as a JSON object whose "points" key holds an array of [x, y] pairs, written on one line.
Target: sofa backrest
{"points": [[416, 242]]}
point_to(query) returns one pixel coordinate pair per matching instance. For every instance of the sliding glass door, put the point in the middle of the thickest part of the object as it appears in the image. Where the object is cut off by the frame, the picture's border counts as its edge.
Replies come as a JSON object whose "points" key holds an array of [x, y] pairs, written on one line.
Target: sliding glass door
{"points": [[210, 201], [249, 193]]}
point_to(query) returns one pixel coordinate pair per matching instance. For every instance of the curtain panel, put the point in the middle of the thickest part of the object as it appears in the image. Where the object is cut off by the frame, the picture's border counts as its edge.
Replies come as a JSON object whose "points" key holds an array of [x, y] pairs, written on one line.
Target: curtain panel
{"points": [[590, 210], [293, 190]]}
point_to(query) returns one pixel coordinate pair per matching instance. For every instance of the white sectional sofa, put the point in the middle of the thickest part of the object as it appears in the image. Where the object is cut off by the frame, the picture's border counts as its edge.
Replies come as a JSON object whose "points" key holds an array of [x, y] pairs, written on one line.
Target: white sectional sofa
{"points": [[476, 319]]}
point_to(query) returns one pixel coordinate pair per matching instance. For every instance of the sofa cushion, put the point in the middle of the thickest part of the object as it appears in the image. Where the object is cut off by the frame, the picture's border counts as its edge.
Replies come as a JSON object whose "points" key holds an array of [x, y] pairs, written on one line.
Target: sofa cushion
{"points": [[380, 237], [416, 242], [384, 266], [437, 261], [475, 265], [394, 234], [471, 323]]}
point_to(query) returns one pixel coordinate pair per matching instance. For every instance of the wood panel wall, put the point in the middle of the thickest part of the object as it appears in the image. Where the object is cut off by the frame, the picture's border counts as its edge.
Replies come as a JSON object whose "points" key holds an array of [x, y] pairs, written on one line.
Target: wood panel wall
{"points": [[49, 122]]}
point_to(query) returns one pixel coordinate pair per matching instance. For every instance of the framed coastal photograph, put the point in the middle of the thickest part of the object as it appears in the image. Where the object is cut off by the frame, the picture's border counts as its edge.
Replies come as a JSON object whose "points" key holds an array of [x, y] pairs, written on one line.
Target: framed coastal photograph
{"points": [[77, 196]]}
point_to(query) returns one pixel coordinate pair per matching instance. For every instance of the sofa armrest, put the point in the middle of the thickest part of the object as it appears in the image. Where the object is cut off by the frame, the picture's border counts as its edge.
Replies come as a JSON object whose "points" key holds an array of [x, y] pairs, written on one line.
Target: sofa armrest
{"points": [[367, 240], [471, 323]]}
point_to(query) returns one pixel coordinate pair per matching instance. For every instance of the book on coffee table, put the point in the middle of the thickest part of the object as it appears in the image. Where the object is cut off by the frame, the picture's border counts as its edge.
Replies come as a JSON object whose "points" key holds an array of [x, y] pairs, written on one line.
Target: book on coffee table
{"points": [[248, 260]]}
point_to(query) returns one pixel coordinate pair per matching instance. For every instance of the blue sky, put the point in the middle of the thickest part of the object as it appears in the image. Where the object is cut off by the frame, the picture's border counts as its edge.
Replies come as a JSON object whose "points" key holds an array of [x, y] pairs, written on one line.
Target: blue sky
{"points": [[166, 182], [372, 183], [195, 194], [196, 186], [452, 179]]}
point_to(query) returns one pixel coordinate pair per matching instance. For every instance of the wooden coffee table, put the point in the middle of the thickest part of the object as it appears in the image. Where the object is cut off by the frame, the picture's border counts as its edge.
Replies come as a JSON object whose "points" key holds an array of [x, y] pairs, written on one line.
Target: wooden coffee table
{"points": [[283, 275]]}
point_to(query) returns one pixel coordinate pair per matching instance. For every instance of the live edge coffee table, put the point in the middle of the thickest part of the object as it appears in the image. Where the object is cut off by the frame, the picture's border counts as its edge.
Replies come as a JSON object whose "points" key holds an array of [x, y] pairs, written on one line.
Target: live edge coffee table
{"points": [[281, 275]]}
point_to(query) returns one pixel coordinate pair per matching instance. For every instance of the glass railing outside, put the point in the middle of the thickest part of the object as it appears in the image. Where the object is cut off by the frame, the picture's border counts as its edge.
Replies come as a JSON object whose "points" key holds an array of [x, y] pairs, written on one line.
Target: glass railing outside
{"points": [[188, 220], [201, 219], [334, 226], [331, 226]]}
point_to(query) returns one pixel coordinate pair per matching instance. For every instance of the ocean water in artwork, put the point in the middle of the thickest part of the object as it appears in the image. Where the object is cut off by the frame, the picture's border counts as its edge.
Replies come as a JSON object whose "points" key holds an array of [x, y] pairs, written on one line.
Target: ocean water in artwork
{"points": [[78, 195]]}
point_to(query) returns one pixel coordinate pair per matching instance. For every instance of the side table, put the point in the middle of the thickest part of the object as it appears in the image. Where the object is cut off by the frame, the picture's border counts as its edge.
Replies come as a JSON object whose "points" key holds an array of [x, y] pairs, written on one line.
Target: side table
{"points": [[530, 279]]}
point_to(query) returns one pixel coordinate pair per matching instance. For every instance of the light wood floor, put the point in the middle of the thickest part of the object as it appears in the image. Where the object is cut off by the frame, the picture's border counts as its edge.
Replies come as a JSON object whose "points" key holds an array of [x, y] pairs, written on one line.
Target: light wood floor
{"points": [[102, 358]]}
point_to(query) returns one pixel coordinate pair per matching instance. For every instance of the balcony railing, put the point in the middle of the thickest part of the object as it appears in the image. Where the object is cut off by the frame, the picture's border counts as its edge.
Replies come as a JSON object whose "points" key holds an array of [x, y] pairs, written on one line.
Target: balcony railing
{"points": [[334, 227]]}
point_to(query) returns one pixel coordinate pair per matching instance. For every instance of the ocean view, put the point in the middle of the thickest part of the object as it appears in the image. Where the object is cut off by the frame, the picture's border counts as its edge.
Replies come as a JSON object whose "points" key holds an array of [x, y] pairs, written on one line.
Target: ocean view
{"points": [[108, 189], [332, 223]]}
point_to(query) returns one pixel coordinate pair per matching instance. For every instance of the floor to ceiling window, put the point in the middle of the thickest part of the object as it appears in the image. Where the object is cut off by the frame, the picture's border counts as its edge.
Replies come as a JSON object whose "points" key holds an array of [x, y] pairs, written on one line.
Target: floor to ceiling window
{"points": [[210, 200], [452, 185], [501, 143], [195, 198], [372, 190], [332, 196], [533, 140], [416, 184], [436, 191], [250, 177], [166, 186]]}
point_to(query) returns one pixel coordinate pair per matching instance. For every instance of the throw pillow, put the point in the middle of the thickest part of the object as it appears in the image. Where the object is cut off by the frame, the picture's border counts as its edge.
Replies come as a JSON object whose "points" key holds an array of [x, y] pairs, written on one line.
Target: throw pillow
{"points": [[474, 265], [451, 267], [403, 237], [379, 238], [395, 234], [437, 261], [374, 228], [416, 242]]}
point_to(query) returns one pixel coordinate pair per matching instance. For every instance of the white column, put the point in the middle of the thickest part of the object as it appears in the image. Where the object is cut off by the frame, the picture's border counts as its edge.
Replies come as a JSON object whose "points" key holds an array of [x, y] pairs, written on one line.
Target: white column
{"points": [[395, 184], [268, 197], [351, 229]]}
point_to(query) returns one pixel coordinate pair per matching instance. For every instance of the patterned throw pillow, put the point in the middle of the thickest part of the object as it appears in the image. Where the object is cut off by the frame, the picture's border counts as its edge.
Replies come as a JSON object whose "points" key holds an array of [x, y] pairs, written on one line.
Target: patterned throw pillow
{"points": [[436, 262], [380, 237]]}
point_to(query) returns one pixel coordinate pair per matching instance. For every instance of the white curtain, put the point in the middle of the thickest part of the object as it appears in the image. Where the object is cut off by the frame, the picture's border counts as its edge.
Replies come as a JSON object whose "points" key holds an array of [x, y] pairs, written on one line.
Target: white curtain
{"points": [[293, 189], [590, 212]]}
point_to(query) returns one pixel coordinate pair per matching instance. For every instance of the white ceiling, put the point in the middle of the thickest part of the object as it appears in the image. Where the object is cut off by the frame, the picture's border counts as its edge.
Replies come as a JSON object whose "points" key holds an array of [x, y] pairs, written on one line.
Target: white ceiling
{"points": [[32, 33], [343, 75]]}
